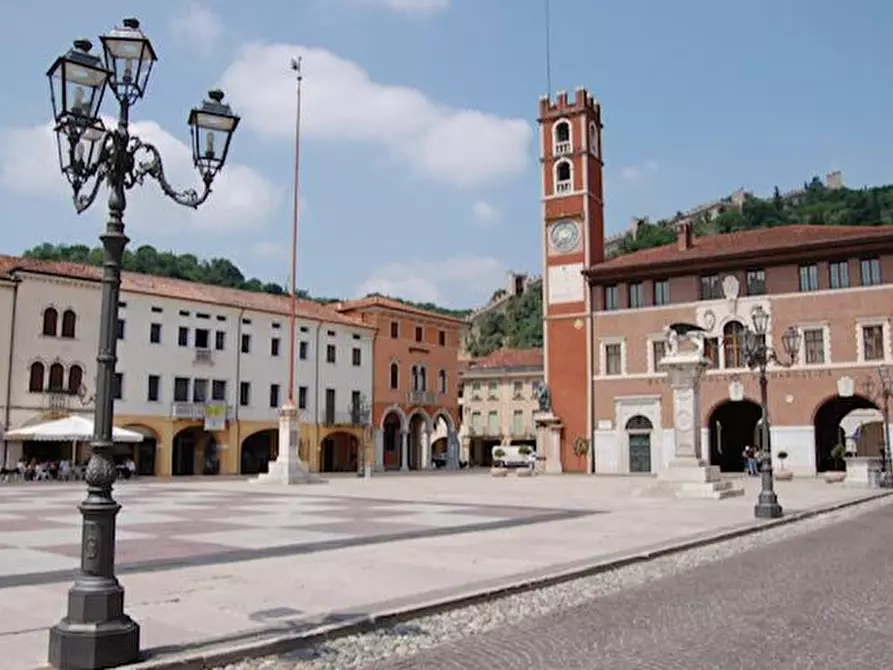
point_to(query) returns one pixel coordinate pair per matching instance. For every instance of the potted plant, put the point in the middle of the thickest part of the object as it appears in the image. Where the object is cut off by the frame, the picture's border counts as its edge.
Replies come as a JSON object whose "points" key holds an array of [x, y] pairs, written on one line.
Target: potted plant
{"points": [[838, 453], [782, 474], [498, 469], [525, 451]]}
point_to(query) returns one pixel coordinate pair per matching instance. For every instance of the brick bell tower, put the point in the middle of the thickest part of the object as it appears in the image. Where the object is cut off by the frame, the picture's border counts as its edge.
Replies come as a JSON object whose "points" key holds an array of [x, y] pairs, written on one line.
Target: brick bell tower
{"points": [[573, 239]]}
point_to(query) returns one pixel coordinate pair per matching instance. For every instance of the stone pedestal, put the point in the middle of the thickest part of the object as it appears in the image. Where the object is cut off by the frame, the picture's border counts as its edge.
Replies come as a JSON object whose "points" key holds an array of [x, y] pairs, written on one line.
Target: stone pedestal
{"points": [[687, 475], [288, 468], [548, 441], [862, 471]]}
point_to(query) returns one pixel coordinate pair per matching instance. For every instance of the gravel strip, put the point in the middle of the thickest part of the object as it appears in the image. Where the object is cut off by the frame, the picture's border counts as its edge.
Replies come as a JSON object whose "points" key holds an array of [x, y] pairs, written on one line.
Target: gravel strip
{"points": [[411, 637]]}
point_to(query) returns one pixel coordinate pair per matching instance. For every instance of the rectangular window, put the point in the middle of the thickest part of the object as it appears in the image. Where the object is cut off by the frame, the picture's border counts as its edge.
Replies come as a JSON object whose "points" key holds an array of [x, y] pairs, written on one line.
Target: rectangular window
{"points": [[274, 395], [711, 287], [493, 423], [441, 338], [419, 334], [154, 391], [871, 271], [155, 333], [517, 422], [355, 400], [202, 337], [476, 391], [612, 297], [814, 346], [183, 336], [244, 394], [636, 295], [274, 346], [118, 386], [493, 391], [809, 277], [120, 329], [220, 340], [199, 390], [711, 351], [517, 390], [613, 359], [330, 407], [873, 342], [756, 281], [395, 330], [356, 357], [302, 397], [246, 343], [839, 274], [218, 390], [330, 353], [302, 351], [476, 423], [662, 292], [181, 389], [658, 351]]}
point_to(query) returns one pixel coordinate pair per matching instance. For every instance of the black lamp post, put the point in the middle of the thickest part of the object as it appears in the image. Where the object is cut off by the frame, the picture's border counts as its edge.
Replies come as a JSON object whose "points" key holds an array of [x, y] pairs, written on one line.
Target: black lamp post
{"points": [[758, 354], [96, 633], [884, 393], [360, 415]]}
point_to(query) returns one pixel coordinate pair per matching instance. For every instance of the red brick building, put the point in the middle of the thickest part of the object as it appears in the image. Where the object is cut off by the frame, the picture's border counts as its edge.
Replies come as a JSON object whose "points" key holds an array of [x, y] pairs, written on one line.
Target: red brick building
{"points": [[605, 323]]}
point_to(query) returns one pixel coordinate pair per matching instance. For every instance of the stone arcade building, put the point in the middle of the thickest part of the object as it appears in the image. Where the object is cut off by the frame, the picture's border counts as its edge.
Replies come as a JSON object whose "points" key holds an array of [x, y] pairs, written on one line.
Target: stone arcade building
{"points": [[605, 322]]}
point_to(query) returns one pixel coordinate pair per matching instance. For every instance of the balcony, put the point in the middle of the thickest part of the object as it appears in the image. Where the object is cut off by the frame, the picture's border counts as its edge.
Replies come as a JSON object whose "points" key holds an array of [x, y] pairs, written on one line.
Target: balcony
{"points": [[562, 148], [196, 410], [421, 398], [205, 356], [345, 418]]}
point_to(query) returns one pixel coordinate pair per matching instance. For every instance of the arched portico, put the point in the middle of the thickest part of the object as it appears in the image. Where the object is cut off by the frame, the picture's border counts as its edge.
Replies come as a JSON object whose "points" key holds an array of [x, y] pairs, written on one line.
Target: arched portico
{"points": [[419, 439], [340, 452], [444, 448], [145, 452], [195, 452], [392, 412], [828, 421], [257, 450], [393, 436], [732, 426]]}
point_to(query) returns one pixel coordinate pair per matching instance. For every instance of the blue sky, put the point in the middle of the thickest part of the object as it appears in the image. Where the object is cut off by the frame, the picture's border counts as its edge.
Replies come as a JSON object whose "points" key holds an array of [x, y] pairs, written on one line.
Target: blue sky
{"points": [[419, 169]]}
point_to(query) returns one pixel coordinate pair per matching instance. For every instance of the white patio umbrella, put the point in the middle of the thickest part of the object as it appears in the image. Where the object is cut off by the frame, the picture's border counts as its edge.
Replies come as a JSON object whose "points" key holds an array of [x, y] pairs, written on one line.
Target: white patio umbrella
{"points": [[68, 429]]}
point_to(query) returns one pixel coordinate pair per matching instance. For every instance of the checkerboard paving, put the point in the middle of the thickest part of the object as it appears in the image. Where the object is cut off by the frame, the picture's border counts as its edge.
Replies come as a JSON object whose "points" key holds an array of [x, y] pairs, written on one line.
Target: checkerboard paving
{"points": [[168, 526]]}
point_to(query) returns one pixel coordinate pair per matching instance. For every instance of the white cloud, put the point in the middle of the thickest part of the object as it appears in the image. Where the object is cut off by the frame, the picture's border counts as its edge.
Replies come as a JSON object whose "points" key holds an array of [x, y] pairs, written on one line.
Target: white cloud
{"points": [[270, 250], [636, 173], [411, 7], [197, 26], [485, 213], [241, 197], [461, 147], [461, 281]]}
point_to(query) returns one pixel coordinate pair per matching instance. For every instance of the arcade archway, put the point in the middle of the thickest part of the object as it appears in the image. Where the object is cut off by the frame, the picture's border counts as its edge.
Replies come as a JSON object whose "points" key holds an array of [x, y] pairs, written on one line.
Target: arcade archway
{"points": [[732, 427], [340, 452], [828, 431], [419, 424], [195, 452], [392, 425], [257, 451], [145, 452]]}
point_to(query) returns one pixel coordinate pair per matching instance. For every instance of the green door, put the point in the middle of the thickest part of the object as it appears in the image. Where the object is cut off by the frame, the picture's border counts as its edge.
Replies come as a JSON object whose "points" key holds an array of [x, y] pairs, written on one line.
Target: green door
{"points": [[640, 452]]}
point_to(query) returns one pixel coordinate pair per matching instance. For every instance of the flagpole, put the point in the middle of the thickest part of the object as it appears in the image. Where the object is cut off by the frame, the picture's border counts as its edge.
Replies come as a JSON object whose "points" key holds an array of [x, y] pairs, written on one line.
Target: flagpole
{"points": [[548, 51], [296, 67]]}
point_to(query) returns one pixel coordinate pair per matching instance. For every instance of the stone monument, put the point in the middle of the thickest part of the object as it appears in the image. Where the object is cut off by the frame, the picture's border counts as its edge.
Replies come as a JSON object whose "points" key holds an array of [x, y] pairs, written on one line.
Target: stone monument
{"points": [[548, 433], [687, 475], [288, 468]]}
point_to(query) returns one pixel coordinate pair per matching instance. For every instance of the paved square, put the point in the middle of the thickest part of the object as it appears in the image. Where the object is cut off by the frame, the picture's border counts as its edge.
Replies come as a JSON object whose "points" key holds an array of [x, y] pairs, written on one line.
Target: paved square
{"points": [[172, 525]]}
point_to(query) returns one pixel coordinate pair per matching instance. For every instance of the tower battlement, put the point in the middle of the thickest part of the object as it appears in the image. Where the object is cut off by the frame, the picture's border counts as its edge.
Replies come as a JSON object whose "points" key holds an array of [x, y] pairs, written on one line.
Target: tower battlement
{"points": [[564, 105]]}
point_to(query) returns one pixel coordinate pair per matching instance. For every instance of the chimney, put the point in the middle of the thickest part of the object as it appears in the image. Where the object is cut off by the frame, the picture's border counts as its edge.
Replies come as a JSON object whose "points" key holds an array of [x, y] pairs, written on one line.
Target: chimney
{"points": [[684, 234]]}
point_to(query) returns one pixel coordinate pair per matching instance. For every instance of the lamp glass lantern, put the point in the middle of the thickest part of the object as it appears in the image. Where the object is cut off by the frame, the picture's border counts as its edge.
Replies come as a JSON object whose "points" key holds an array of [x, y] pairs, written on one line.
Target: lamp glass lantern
{"points": [[129, 57], [77, 84], [760, 320], [212, 126], [790, 340], [80, 153]]}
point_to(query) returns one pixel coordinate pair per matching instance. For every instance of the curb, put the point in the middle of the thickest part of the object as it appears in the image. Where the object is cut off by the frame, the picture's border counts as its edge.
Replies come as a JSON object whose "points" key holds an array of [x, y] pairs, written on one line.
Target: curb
{"points": [[203, 659]]}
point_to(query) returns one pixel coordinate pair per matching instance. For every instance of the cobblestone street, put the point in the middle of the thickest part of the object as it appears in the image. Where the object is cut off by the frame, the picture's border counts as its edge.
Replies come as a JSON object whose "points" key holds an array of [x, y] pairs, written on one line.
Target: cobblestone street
{"points": [[819, 600]]}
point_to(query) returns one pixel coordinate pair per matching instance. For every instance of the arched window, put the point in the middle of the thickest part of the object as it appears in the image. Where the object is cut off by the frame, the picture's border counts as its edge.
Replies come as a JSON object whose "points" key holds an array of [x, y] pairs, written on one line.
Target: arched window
{"points": [[442, 381], [562, 143], [593, 138], [563, 176], [415, 378], [69, 321], [423, 378], [57, 377], [638, 430], [35, 377], [733, 344], [395, 376], [50, 321], [75, 379]]}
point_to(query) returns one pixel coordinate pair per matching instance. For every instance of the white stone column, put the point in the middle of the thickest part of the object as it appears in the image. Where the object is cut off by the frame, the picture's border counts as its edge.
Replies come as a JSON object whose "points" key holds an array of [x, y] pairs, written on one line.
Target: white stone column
{"points": [[288, 468], [425, 451], [379, 450], [404, 450]]}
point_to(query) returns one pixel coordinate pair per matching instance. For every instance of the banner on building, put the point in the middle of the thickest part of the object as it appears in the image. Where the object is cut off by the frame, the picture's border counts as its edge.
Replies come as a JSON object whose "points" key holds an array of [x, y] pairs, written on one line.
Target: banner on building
{"points": [[215, 416]]}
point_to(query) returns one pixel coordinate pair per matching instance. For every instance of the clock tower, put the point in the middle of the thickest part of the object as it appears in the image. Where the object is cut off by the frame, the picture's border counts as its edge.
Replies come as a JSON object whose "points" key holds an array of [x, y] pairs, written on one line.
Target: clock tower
{"points": [[573, 239]]}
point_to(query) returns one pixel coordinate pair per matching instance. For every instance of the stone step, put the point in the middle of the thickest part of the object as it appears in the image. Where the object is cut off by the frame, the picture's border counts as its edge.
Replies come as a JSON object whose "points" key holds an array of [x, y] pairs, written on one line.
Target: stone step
{"points": [[716, 490]]}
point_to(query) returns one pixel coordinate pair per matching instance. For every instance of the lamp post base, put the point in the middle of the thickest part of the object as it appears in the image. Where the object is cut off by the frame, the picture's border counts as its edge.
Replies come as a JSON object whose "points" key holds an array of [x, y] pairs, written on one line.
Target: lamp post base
{"points": [[767, 506], [91, 646]]}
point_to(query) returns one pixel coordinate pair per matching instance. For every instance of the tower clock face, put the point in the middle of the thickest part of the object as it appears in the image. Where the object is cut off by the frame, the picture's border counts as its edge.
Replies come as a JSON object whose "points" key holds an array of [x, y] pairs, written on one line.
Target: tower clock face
{"points": [[564, 236]]}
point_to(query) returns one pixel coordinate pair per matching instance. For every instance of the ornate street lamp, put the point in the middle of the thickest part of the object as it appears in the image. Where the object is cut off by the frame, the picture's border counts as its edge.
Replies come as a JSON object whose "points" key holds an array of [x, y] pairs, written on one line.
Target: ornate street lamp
{"points": [[758, 354], [884, 393], [360, 416], [96, 633]]}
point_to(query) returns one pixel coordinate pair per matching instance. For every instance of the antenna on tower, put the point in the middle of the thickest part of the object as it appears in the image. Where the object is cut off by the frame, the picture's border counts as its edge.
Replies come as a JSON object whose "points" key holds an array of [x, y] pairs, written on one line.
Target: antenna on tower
{"points": [[548, 51]]}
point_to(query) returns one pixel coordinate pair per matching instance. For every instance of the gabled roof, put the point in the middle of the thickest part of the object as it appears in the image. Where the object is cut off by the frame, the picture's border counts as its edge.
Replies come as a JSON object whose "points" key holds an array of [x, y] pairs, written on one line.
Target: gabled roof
{"points": [[180, 289], [373, 301], [506, 359], [755, 243]]}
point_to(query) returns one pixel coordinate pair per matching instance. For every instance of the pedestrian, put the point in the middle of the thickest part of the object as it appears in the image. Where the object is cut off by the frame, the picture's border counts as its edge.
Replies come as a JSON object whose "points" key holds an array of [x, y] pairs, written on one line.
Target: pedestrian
{"points": [[750, 463]]}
